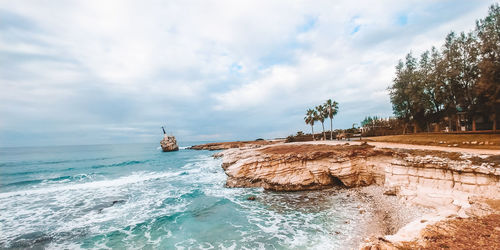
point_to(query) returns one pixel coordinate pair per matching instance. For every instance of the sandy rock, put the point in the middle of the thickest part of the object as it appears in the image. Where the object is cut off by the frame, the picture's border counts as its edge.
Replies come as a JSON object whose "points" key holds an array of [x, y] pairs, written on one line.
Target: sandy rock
{"points": [[425, 179], [378, 244], [292, 170], [391, 190]]}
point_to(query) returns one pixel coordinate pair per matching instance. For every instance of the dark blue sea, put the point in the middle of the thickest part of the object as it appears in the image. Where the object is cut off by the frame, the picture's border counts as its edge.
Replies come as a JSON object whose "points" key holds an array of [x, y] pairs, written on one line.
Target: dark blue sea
{"points": [[134, 196]]}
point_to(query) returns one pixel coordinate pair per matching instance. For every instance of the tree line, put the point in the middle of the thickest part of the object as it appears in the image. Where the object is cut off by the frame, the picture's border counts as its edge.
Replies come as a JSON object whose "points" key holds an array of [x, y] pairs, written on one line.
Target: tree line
{"points": [[376, 126], [455, 85], [321, 112]]}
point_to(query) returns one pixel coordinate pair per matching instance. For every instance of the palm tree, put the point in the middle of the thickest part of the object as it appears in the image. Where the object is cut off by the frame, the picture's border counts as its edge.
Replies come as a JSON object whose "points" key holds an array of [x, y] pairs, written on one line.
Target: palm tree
{"points": [[321, 115], [332, 108], [310, 118]]}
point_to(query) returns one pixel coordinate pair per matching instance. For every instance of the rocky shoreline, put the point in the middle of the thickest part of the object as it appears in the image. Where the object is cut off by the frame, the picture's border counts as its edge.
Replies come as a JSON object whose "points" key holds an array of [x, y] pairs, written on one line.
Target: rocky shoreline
{"points": [[234, 144], [302, 167], [454, 185]]}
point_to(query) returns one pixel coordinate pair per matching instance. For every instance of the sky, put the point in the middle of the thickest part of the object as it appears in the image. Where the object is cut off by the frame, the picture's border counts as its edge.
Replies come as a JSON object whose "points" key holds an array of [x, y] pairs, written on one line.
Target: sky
{"points": [[99, 72]]}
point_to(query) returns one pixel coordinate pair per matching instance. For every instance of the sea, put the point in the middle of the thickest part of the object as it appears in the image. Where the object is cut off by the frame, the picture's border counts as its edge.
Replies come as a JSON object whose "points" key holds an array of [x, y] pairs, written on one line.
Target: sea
{"points": [[134, 196]]}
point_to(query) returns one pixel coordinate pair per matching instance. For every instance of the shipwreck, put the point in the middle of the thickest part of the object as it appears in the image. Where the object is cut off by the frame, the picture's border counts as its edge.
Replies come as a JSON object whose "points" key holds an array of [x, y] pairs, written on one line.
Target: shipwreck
{"points": [[169, 143]]}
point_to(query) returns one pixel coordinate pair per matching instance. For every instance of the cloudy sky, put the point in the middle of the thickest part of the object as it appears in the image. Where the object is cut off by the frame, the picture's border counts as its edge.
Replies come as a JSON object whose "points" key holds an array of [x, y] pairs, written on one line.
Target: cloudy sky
{"points": [[91, 72]]}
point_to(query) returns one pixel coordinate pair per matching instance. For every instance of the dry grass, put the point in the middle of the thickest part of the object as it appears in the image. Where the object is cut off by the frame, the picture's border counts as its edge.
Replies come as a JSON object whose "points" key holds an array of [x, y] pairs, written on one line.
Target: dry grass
{"points": [[471, 233], [311, 148], [321, 151], [439, 139]]}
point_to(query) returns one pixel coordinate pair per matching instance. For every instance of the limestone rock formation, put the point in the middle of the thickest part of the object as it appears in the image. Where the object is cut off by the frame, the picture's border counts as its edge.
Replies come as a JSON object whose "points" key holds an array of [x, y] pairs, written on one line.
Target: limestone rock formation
{"points": [[454, 184], [304, 167], [169, 143], [430, 178], [443, 180]]}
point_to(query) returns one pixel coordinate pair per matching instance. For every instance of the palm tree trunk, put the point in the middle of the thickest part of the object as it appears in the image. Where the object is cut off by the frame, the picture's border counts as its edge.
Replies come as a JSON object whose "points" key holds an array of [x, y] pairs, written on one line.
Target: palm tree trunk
{"points": [[324, 135], [312, 129], [331, 129], [494, 123]]}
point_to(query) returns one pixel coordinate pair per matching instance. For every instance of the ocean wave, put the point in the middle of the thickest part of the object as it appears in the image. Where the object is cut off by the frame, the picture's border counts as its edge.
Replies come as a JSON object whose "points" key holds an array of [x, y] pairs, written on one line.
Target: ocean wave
{"points": [[159, 148], [175, 197], [120, 164], [60, 179], [110, 209], [36, 172], [50, 162], [133, 178]]}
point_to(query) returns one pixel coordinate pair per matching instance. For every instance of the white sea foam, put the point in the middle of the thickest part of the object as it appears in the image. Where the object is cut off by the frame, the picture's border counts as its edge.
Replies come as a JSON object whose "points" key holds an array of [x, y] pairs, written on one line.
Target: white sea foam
{"points": [[133, 178], [64, 208], [145, 200], [59, 208]]}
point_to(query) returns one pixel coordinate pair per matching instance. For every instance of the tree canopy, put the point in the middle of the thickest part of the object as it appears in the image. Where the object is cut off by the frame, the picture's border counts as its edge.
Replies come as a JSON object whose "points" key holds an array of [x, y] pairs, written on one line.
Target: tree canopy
{"points": [[461, 77]]}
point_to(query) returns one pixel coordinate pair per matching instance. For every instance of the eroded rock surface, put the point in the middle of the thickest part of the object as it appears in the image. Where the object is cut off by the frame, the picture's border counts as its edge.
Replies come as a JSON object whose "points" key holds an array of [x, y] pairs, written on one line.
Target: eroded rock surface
{"points": [[444, 180], [427, 177], [304, 167], [452, 183]]}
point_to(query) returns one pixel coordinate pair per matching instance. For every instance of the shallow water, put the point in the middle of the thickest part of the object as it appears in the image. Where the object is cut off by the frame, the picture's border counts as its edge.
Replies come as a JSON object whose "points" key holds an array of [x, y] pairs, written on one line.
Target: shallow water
{"points": [[135, 196]]}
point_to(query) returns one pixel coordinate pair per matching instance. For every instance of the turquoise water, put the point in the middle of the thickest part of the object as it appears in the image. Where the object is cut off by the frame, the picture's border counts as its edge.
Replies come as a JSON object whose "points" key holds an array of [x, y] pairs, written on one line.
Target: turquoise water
{"points": [[135, 196]]}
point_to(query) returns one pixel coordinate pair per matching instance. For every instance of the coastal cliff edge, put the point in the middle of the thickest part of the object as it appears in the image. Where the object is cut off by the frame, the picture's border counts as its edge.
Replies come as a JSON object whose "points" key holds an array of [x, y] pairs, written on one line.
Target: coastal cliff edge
{"points": [[454, 184]]}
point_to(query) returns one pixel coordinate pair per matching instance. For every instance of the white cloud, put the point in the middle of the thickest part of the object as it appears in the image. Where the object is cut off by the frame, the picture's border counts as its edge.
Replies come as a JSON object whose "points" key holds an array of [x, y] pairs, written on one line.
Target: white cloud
{"points": [[349, 67], [233, 66]]}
